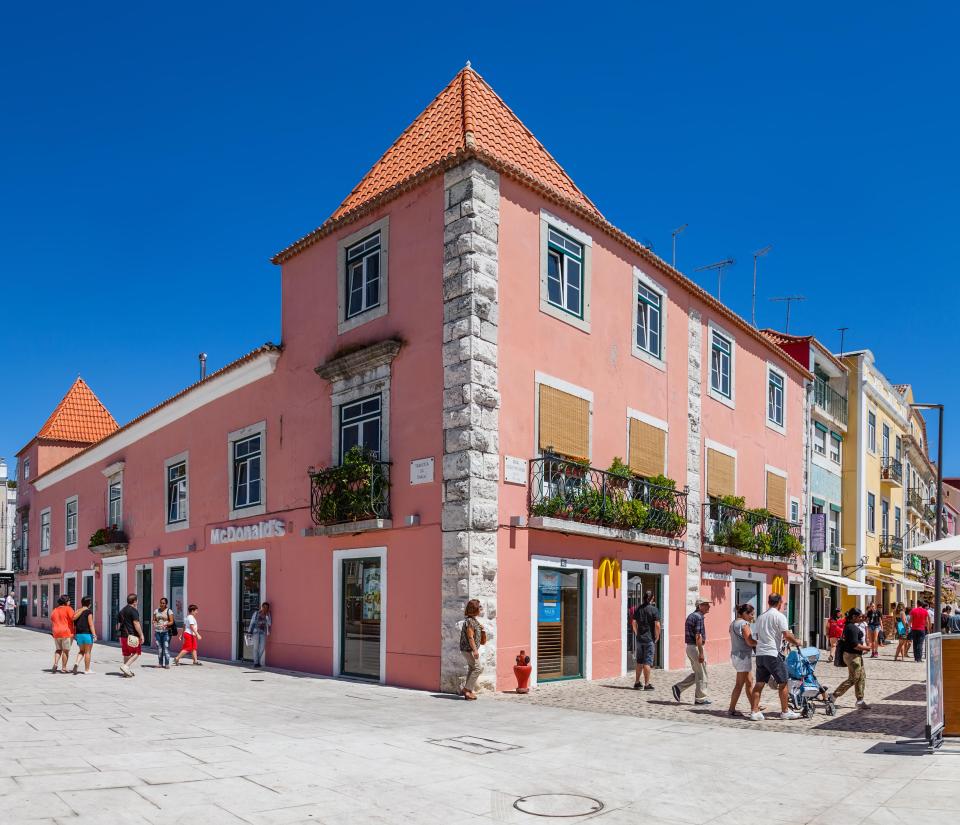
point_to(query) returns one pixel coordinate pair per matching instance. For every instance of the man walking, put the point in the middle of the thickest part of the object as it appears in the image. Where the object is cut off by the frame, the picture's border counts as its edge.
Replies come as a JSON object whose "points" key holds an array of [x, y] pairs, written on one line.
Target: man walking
{"points": [[10, 609], [646, 634], [695, 635], [919, 622], [131, 634], [853, 650], [770, 630], [61, 628]]}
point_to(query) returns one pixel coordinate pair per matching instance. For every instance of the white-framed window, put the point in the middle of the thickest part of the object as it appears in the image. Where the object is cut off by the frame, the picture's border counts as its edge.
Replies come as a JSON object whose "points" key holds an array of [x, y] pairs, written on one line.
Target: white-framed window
{"points": [[776, 398], [176, 481], [899, 448], [71, 516], [833, 528], [362, 275], [722, 365], [115, 502], [872, 431], [886, 440], [361, 425], [871, 513], [25, 531], [26, 468], [247, 470], [819, 438], [45, 530], [795, 510], [835, 442], [564, 271], [649, 319], [884, 516]]}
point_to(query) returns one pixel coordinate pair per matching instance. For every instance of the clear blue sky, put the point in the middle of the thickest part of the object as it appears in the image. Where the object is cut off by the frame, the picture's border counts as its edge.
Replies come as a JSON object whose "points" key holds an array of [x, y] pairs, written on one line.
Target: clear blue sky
{"points": [[152, 163]]}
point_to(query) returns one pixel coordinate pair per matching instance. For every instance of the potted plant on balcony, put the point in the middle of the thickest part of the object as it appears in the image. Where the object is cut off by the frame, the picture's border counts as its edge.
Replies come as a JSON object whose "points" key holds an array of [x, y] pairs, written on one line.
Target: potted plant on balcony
{"points": [[618, 474]]}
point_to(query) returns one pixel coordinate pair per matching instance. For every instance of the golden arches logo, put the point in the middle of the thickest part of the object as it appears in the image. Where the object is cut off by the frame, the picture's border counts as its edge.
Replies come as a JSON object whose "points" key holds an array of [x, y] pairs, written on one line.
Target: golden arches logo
{"points": [[779, 586], [609, 574]]}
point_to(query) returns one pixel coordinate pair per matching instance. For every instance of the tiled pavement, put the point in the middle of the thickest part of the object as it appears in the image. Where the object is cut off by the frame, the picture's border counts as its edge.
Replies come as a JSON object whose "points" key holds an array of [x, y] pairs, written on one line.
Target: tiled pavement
{"points": [[224, 744], [895, 692]]}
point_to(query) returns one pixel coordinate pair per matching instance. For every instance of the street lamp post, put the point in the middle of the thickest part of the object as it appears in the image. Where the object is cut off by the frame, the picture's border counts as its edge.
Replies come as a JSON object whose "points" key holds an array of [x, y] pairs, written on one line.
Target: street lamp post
{"points": [[938, 527]]}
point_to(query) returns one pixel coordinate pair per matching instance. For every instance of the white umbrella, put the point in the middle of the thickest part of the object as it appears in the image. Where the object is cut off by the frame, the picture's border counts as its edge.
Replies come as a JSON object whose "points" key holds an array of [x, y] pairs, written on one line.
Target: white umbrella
{"points": [[946, 550]]}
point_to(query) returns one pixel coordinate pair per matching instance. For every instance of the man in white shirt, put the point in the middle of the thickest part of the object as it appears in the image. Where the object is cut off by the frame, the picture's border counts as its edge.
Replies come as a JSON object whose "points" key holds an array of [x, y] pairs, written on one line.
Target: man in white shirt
{"points": [[10, 609], [770, 629]]}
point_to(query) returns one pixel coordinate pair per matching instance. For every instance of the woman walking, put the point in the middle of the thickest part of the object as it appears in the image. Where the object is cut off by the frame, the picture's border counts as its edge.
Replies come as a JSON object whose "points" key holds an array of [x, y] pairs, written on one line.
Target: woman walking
{"points": [[191, 636], [874, 622], [903, 632], [259, 629], [853, 649], [164, 626], [472, 636], [834, 631], [86, 635], [742, 644]]}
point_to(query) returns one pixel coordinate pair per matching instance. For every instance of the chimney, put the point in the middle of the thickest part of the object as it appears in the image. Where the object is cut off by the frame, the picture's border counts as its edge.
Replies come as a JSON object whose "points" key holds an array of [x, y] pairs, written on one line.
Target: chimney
{"points": [[203, 365]]}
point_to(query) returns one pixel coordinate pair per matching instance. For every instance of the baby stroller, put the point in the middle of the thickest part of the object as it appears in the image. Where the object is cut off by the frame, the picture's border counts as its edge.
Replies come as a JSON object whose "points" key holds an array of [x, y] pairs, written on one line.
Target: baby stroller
{"points": [[803, 685]]}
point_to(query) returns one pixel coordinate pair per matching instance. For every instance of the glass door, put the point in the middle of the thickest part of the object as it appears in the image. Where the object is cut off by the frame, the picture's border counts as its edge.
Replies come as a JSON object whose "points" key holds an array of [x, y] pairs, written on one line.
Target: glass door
{"points": [[176, 579], [747, 592], [248, 602], [145, 595], [114, 606], [360, 627], [72, 591], [559, 624]]}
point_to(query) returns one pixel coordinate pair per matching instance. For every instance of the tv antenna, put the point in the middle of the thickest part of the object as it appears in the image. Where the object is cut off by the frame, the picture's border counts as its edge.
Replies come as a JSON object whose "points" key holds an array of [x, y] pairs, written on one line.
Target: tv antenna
{"points": [[788, 300], [753, 305], [674, 234], [843, 333], [719, 266]]}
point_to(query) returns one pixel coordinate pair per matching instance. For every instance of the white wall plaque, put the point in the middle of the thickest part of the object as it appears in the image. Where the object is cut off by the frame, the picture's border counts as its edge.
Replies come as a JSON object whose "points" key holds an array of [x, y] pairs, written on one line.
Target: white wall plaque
{"points": [[421, 471], [514, 470]]}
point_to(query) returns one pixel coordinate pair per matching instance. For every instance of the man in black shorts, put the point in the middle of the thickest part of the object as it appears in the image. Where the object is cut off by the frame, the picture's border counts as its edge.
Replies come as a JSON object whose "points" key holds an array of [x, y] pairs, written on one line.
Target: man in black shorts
{"points": [[770, 630], [646, 633]]}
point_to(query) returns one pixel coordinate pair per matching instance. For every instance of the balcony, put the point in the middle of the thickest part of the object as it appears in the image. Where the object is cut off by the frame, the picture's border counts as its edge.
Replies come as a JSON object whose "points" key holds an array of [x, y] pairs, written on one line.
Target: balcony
{"points": [[352, 497], [753, 532], [109, 541], [565, 493], [830, 401], [916, 502], [891, 546], [891, 471], [19, 559]]}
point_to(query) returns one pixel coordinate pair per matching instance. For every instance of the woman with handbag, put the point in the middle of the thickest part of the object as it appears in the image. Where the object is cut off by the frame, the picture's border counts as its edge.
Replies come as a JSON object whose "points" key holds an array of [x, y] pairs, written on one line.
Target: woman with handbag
{"points": [[257, 631], [903, 633], [164, 628], [472, 637]]}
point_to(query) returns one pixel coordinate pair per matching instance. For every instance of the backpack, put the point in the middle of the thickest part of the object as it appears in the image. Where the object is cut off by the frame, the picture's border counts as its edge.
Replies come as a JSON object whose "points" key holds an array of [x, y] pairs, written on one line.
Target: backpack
{"points": [[838, 654], [172, 627]]}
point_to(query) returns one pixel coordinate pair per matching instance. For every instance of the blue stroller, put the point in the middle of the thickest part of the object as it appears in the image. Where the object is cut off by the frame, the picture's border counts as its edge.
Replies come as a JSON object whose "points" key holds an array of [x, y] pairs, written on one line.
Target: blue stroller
{"points": [[803, 685]]}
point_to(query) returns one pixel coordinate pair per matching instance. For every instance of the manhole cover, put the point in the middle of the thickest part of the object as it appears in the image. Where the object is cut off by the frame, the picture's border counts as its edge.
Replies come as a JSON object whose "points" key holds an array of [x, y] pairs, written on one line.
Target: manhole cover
{"points": [[558, 804]]}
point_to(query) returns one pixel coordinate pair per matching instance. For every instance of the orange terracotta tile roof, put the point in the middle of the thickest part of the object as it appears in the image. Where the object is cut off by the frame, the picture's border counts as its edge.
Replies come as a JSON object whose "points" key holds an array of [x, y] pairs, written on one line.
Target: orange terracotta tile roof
{"points": [[781, 338], [79, 417], [467, 118]]}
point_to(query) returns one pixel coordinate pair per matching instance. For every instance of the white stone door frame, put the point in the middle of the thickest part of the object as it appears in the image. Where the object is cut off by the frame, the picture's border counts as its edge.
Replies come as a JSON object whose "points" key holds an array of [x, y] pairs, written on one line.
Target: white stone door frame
{"points": [[87, 574], [339, 556], [749, 576], [563, 563], [76, 594], [663, 571], [235, 559], [109, 567]]}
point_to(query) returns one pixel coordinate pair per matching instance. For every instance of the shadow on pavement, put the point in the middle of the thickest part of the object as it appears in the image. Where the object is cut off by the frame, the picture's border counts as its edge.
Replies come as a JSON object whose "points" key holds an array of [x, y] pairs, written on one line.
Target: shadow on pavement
{"points": [[890, 719], [914, 693]]}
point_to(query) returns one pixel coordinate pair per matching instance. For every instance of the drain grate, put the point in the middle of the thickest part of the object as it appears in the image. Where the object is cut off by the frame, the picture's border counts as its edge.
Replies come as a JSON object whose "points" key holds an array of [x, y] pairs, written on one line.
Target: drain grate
{"points": [[558, 805], [473, 744]]}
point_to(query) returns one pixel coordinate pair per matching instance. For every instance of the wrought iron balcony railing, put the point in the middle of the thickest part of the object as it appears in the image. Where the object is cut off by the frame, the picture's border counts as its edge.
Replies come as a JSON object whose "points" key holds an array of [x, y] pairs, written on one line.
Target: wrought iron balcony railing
{"points": [[20, 559], [564, 489], [915, 500], [891, 469], [891, 546], [357, 490], [751, 531], [829, 400]]}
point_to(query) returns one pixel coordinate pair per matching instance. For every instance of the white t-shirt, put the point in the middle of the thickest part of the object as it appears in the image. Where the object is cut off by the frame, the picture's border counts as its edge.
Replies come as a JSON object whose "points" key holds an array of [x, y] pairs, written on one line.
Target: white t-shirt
{"points": [[768, 631], [190, 625], [10, 604]]}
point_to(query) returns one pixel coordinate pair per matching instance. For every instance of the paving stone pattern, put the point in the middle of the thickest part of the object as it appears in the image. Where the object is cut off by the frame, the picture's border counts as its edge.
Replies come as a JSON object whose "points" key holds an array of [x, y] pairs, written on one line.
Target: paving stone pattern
{"points": [[895, 691], [227, 744]]}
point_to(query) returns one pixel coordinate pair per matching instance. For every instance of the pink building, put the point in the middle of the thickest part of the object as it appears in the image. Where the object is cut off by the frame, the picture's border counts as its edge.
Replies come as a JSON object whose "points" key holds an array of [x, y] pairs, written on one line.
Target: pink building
{"points": [[446, 429]]}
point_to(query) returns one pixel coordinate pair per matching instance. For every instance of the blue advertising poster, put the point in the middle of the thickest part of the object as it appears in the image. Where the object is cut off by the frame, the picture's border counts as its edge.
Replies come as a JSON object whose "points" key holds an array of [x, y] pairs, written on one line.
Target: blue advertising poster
{"points": [[548, 596]]}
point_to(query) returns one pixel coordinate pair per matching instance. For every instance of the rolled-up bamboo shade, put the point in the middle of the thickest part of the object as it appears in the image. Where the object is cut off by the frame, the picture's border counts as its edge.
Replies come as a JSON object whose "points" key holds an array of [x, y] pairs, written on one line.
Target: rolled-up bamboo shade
{"points": [[777, 494], [721, 474], [648, 445], [564, 423]]}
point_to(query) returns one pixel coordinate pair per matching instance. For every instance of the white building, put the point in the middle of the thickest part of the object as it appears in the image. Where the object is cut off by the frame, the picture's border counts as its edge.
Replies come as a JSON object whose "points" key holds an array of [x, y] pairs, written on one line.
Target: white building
{"points": [[8, 518]]}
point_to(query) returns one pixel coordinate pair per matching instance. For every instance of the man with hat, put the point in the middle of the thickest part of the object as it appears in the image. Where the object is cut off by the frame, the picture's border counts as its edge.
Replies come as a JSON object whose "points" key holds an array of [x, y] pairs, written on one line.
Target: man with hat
{"points": [[695, 634]]}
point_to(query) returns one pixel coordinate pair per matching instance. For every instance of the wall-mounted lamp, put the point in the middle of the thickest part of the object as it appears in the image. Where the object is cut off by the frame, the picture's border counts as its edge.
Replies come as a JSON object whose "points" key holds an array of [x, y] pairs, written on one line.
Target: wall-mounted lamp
{"points": [[518, 521], [412, 520]]}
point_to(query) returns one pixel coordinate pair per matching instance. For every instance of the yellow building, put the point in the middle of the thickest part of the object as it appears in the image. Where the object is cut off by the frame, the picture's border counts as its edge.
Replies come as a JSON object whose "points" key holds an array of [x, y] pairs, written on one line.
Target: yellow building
{"points": [[920, 478], [874, 484]]}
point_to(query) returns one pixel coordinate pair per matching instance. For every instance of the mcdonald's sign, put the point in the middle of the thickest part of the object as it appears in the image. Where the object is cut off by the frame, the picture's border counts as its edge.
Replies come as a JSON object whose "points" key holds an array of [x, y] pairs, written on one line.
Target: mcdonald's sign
{"points": [[779, 586], [608, 574]]}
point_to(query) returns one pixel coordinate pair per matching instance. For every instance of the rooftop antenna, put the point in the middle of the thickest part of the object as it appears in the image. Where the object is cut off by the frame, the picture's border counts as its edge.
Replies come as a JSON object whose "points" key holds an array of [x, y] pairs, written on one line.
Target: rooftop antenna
{"points": [[843, 333], [203, 365], [753, 306], [789, 299], [674, 234], [719, 266]]}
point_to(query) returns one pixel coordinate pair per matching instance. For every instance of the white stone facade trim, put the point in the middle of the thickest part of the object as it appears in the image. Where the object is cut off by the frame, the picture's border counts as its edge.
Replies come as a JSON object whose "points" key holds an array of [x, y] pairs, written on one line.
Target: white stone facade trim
{"points": [[694, 457], [641, 277], [584, 566], [731, 402], [663, 570], [168, 526]]}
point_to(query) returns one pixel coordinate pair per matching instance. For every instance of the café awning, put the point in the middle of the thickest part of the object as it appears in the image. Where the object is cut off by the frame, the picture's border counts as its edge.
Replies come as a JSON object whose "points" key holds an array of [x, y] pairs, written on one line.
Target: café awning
{"points": [[916, 587], [852, 586], [946, 550]]}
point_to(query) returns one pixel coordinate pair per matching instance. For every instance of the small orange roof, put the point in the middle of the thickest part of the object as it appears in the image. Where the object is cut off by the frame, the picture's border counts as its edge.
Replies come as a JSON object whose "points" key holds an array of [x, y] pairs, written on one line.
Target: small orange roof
{"points": [[79, 417], [467, 117]]}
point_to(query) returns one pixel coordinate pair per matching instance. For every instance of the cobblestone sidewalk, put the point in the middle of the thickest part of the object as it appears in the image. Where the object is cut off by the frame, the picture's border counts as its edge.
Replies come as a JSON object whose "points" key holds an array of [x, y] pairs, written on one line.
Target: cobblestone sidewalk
{"points": [[896, 693]]}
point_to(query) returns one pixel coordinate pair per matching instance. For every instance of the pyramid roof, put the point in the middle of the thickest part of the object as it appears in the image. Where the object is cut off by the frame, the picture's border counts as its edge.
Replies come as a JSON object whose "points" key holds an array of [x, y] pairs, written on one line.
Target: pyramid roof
{"points": [[79, 417]]}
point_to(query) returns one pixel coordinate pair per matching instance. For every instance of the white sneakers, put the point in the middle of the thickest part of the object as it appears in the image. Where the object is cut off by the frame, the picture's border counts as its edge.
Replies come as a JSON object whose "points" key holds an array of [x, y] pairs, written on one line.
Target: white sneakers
{"points": [[790, 714], [125, 670], [862, 705], [759, 717], [756, 717]]}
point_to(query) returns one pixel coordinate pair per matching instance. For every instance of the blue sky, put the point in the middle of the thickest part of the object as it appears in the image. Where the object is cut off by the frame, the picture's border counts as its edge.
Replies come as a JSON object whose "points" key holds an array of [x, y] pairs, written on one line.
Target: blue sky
{"points": [[152, 164]]}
